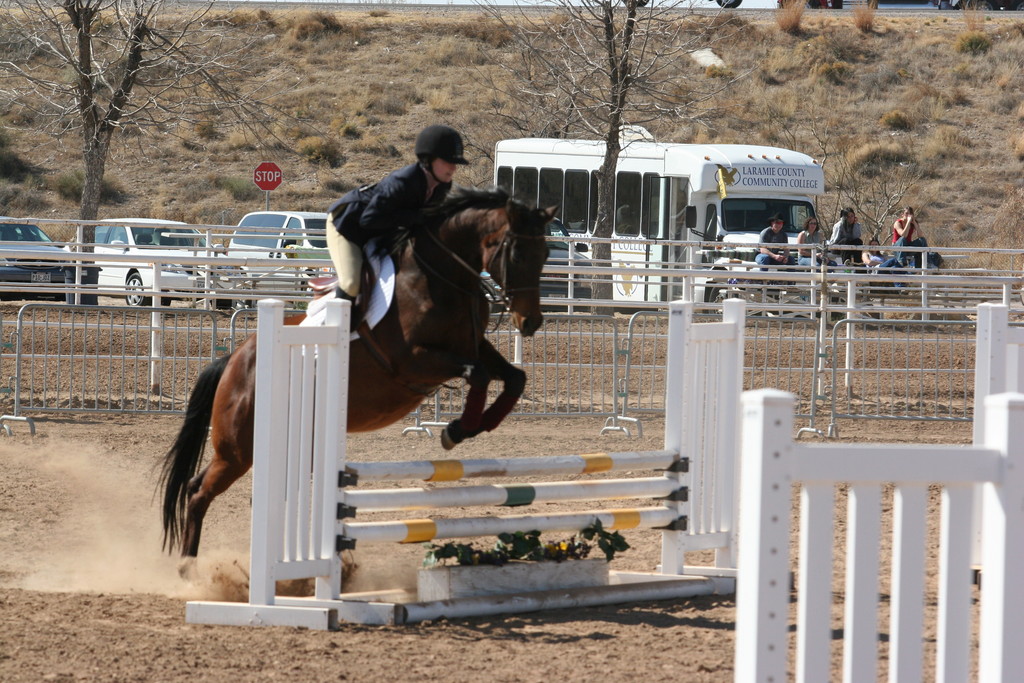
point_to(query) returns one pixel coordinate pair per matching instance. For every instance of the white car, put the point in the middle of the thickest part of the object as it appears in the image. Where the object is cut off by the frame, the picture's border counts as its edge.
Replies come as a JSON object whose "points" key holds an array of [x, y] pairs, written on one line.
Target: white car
{"points": [[146, 237], [278, 235], [301, 230]]}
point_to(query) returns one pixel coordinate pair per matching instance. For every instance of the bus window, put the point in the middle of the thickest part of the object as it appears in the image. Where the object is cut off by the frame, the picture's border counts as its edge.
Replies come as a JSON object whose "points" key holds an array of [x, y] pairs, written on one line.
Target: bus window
{"points": [[505, 178], [627, 204], [679, 198], [650, 214], [595, 180], [750, 215], [575, 200], [550, 188], [525, 186]]}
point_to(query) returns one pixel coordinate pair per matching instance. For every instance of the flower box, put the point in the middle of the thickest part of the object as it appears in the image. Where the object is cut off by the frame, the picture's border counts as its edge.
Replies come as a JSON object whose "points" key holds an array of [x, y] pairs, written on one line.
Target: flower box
{"points": [[446, 583]]}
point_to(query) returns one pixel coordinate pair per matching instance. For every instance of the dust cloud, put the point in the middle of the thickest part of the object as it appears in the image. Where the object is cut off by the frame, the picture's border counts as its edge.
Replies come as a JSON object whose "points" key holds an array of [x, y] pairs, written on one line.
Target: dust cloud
{"points": [[92, 528]]}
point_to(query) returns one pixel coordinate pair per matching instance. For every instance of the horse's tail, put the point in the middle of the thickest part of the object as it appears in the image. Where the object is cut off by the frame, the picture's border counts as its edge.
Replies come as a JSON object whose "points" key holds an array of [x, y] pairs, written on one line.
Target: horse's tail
{"points": [[182, 460]]}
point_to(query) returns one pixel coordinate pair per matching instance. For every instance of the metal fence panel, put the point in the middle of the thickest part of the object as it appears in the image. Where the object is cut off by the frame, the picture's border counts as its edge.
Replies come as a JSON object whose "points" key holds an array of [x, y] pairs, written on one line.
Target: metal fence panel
{"points": [[110, 359], [903, 370], [779, 353]]}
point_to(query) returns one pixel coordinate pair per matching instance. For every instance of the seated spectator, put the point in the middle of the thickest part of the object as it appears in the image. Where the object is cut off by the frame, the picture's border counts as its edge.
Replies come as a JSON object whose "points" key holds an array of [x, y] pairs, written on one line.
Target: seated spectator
{"points": [[812, 235], [774, 234], [846, 232], [876, 262], [907, 233]]}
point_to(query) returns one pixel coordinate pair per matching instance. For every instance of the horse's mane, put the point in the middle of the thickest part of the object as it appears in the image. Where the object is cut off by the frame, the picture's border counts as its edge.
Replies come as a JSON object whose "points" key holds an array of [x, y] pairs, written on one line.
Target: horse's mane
{"points": [[457, 201]]}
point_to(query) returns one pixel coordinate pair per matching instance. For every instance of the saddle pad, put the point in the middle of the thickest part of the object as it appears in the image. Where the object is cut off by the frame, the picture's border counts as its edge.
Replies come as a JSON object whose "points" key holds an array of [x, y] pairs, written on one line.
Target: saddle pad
{"points": [[380, 296]]}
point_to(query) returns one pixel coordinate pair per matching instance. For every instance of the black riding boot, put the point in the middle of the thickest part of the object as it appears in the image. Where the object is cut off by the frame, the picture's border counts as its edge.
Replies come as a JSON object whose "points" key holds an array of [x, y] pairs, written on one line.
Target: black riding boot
{"points": [[356, 313]]}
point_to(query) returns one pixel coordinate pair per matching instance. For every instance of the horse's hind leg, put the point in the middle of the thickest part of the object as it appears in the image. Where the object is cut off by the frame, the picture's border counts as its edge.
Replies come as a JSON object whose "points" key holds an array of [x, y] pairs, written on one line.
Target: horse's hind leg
{"points": [[202, 489]]}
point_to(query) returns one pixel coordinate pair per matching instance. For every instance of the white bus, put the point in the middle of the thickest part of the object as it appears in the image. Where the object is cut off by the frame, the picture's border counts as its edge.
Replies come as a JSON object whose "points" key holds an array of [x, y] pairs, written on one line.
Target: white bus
{"points": [[665, 192]]}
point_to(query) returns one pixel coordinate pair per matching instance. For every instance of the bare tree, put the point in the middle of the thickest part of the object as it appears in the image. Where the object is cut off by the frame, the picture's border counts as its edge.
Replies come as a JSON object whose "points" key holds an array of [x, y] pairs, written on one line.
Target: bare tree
{"points": [[99, 67], [874, 179], [595, 68]]}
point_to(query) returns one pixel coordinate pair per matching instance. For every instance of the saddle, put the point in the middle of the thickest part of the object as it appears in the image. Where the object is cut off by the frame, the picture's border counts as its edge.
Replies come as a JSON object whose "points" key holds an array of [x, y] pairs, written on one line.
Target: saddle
{"points": [[376, 291]]}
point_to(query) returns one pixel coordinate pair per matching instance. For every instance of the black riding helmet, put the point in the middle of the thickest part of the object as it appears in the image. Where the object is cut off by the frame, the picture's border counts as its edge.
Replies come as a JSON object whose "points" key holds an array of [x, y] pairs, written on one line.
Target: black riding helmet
{"points": [[441, 142]]}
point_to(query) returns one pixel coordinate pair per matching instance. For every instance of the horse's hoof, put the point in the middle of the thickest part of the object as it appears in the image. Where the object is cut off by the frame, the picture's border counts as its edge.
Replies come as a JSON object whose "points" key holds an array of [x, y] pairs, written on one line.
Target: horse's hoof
{"points": [[188, 568], [452, 435]]}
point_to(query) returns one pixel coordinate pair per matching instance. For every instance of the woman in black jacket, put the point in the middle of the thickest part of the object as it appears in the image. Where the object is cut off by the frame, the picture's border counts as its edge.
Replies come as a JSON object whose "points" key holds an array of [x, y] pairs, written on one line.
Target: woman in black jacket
{"points": [[395, 202]]}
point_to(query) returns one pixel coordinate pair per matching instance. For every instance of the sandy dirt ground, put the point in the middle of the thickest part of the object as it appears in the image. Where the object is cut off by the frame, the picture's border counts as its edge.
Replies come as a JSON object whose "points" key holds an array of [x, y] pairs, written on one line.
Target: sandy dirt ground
{"points": [[86, 594]]}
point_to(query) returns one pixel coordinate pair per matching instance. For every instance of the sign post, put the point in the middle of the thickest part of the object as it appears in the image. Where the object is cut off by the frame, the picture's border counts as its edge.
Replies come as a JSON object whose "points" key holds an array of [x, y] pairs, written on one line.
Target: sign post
{"points": [[267, 177]]}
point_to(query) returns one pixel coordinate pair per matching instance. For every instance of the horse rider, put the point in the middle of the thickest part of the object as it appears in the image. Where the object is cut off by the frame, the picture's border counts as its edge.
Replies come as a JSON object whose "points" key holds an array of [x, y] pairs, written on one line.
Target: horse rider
{"points": [[394, 202]]}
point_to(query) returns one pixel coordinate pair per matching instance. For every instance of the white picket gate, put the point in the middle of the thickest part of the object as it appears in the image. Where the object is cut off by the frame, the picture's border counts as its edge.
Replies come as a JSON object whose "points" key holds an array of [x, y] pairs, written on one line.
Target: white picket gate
{"points": [[772, 462]]}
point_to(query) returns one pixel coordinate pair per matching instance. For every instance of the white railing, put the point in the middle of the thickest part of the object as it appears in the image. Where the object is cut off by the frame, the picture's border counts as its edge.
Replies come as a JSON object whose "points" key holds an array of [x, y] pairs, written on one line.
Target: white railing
{"points": [[772, 463]]}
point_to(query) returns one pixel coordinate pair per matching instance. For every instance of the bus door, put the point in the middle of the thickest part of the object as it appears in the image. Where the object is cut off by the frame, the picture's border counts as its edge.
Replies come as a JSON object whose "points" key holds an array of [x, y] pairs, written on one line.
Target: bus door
{"points": [[629, 254], [649, 209]]}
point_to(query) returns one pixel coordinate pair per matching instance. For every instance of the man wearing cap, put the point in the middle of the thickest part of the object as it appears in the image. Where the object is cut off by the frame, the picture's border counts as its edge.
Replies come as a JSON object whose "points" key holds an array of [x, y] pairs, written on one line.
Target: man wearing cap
{"points": [[774, 234], [395, 202]]}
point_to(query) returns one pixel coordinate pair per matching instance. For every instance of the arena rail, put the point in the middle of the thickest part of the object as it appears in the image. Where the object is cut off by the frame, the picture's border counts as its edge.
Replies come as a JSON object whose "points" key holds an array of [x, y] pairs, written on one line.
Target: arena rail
{"points": [[303, 503], [772, 461]]}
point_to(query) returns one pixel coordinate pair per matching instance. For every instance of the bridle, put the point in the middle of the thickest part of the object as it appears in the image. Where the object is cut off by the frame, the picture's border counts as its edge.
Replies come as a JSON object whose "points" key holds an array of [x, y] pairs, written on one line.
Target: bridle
{"points": [[495, 291]]}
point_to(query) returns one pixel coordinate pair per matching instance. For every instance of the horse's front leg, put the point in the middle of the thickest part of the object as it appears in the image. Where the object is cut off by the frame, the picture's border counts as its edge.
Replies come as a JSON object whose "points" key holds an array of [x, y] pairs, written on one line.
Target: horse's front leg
{"points": [[474, 419]]}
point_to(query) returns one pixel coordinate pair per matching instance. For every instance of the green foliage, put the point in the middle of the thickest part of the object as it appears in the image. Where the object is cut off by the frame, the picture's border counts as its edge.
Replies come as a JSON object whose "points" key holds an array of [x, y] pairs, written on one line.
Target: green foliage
{"points": [[319, 150], [527, 546], [69, 186], [240, 189], [609, 542], [973, 43]]}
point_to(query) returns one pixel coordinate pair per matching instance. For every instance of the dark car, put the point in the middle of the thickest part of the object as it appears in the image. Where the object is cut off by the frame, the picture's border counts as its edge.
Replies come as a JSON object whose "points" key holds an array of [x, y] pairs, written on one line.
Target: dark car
{"points": [[557, 284], [34, 274]]}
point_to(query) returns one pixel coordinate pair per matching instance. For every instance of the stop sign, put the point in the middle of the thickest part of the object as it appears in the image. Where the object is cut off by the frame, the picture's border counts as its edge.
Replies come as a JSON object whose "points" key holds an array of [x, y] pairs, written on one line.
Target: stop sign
{"points": [[267, 176]]}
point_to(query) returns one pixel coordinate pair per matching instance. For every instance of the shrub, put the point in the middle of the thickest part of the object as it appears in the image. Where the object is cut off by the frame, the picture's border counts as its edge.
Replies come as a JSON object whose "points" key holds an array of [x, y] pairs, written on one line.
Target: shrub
{"points": [[242, 17], [239, 139], [376, 144], [12, 166], [314, 25], [717, 71], [240, 189], [973, 43], [1005, 103], [874, 155], [440, 101], [864, 18], [69, 186], [18, 199], [319, 150], [455, 51], [207, 130], [833, 72], [789, 17], [346, 129], [897, 119], [944, 142], [391, 104]]}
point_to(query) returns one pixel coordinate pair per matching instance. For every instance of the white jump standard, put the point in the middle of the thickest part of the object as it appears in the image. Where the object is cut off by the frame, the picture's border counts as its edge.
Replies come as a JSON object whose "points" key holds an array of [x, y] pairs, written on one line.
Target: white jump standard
{"points": [[306, 500]]}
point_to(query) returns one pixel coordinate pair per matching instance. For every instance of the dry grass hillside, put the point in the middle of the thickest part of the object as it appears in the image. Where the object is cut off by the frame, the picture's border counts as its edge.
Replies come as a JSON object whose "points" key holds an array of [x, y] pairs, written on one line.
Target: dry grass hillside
{"points": [[942, 93]]}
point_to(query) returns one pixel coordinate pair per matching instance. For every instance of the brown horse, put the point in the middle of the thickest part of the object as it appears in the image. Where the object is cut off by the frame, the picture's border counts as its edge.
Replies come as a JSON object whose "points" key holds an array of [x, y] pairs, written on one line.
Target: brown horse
{"points": [[432, 333]]}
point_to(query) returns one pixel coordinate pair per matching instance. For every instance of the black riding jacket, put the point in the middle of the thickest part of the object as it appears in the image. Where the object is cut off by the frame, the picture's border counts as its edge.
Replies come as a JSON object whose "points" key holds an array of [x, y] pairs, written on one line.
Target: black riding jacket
{"points": [[396, 201]]}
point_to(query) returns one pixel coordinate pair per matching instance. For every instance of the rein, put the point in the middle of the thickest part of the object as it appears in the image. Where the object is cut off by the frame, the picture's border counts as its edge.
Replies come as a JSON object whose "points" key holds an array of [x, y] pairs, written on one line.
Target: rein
{"points": [[494, 290]]}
